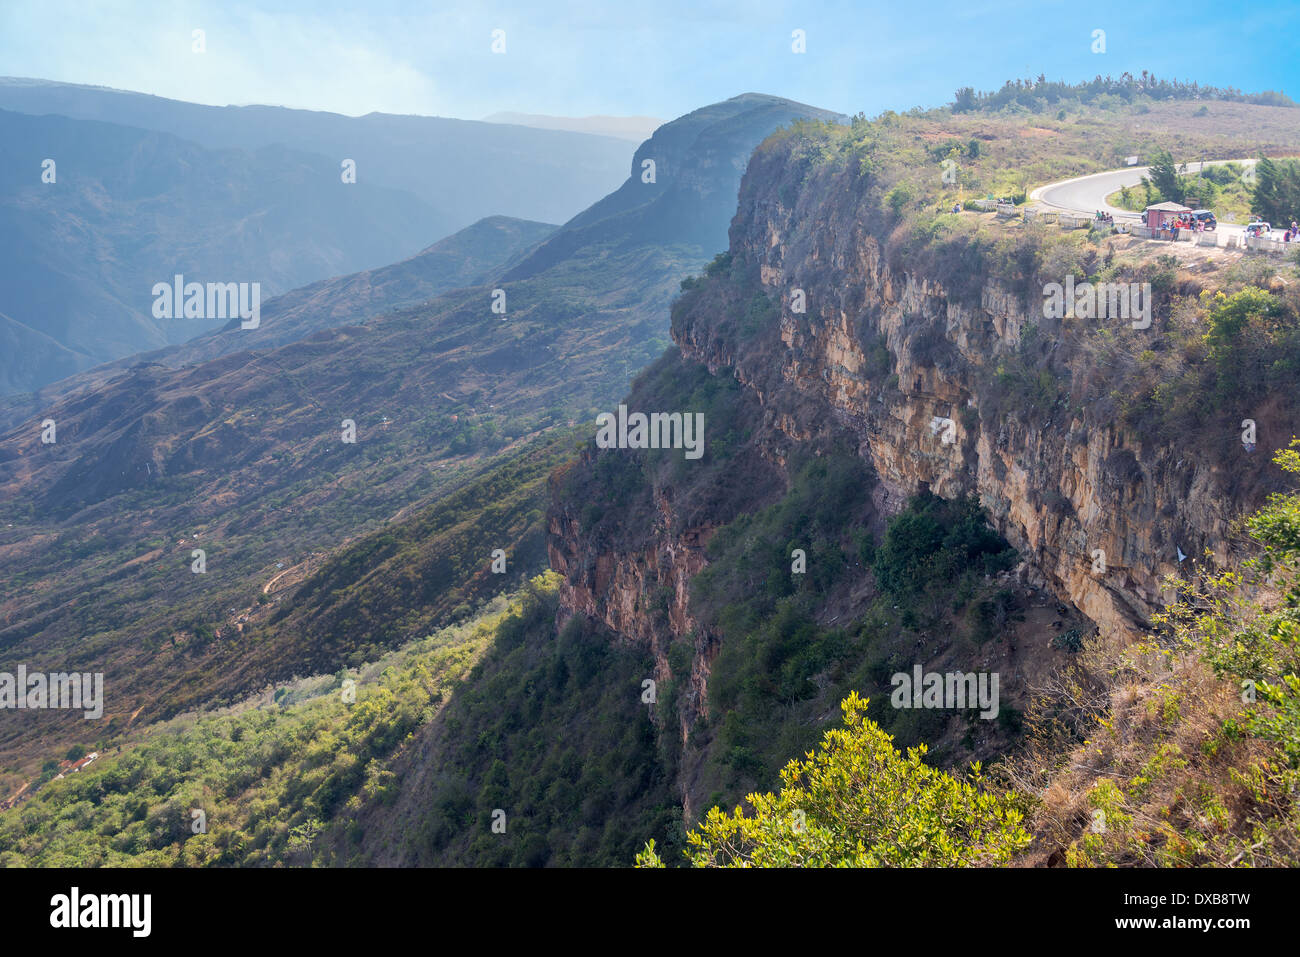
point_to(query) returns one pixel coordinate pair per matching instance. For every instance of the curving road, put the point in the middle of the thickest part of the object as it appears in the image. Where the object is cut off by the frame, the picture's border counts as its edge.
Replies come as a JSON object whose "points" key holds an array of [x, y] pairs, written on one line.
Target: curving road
{"points": [[1084, 195]]}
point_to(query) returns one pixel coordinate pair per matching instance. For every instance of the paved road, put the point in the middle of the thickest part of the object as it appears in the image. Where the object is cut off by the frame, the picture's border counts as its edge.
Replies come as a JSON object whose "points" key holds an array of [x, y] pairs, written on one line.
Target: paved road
{"points": [[1084, 195]]}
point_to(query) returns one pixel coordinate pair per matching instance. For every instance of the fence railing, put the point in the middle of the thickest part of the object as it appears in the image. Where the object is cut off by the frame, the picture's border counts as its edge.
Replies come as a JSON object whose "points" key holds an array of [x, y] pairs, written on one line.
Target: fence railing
{"points": [[1275, 246], [1175, 235]]}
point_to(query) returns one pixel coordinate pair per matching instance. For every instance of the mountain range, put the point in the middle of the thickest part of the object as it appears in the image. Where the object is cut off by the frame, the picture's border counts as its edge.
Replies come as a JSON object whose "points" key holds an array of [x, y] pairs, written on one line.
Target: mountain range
{"points": [[365, 583], [104, 193], [235, 443]]}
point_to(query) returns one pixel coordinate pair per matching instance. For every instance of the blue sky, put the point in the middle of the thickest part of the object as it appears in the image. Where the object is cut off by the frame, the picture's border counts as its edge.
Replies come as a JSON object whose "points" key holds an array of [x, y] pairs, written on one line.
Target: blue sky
{"points": [[654, 57]]}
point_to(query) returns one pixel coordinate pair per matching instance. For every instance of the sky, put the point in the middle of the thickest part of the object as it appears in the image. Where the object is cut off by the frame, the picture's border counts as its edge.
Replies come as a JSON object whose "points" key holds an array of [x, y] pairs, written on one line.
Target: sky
{"points": [[658, 58]]}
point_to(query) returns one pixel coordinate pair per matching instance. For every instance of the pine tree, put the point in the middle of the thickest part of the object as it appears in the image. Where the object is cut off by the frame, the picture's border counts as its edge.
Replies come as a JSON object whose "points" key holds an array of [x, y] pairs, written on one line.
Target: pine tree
{"points": [[1276, 194], [1164, 178]]}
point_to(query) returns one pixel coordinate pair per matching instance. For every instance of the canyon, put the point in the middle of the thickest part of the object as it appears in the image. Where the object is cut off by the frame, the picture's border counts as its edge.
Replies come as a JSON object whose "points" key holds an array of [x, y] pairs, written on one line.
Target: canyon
{"points": [[887, 346]]}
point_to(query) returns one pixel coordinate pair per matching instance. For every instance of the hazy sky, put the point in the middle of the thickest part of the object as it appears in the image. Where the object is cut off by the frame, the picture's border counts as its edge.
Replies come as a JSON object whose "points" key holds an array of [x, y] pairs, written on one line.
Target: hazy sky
{"points": [[653, 57]]}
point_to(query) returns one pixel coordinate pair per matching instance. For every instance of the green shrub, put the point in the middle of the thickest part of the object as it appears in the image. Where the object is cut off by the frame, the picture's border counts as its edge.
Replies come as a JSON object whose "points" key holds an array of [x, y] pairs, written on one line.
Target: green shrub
{"points": [[859, 802], [933, 542]]}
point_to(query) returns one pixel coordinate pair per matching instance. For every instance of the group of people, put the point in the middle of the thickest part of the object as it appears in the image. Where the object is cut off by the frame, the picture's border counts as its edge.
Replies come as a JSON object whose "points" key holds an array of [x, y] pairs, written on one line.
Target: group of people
{"points": [[1261, 228], [1106, 218]]}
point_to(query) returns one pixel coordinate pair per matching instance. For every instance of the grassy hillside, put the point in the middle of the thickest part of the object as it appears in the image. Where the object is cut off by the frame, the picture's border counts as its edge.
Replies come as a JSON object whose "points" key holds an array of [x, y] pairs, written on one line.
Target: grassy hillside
{"points": [[268, 775], [320, 612], [242, 457]]}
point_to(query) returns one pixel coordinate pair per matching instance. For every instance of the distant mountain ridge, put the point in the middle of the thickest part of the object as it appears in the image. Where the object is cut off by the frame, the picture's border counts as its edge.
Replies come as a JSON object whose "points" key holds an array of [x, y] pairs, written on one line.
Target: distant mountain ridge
{"points": [[245, 448], [634, 128], [463, 169], [130, 207], [144, 188], [698, 161], [465, 258]]}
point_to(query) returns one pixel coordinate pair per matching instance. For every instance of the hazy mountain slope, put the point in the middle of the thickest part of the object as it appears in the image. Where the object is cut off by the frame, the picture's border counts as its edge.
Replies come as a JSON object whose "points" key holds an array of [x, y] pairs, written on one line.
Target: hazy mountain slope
{"points": [[241, 456], [467, 257], [43, 358], [634, 128], [698, 161], [129, 208], [463, 169]]}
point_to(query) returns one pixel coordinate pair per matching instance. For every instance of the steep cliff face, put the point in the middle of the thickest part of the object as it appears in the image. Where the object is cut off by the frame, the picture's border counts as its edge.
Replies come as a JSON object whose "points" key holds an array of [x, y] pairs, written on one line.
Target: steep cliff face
{"points": [[641, 593], [1057, 485], [682, 184], [902, 356], [630, 562]]}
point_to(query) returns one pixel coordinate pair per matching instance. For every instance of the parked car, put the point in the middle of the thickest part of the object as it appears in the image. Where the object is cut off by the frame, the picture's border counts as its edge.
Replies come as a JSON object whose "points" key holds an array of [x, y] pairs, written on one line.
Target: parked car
{"points": [[1204, 216], [1258, 228]]}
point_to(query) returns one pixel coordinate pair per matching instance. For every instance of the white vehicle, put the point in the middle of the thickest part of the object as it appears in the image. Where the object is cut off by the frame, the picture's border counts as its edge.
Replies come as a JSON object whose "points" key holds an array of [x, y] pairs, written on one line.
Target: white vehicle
{"points": [[1258, 228]]}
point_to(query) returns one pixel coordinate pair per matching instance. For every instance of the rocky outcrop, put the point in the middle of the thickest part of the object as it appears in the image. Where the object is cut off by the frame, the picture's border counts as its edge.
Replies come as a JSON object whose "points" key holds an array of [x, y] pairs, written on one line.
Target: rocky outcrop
{"points": [[1100, 516], [682, 184], [631, 567], [904, 357], [913, 360], [636, 593]]}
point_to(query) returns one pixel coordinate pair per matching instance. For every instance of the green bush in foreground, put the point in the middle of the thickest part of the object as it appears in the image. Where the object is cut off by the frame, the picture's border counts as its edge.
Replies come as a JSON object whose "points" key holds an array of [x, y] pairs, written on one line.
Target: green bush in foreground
{"points": [[860, 802], [1266, 647]]}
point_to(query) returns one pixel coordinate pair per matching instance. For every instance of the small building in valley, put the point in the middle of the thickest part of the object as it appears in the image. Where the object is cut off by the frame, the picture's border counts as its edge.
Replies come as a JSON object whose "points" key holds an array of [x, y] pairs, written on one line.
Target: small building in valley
{"points": [[1164, 215]]}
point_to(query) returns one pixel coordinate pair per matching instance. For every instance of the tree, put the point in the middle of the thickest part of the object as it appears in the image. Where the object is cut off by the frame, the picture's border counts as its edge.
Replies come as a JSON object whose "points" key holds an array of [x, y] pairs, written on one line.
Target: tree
{"points": [[1164, 179], [859, 802], [1239, 330], [1276, 193]]}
